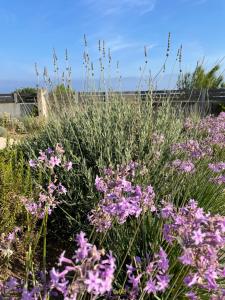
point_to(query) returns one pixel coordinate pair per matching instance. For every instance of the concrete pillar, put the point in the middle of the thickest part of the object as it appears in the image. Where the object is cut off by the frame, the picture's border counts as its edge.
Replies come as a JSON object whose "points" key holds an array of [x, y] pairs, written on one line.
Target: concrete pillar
{"points": [[42, 98], [203, 102], [15, 97]]}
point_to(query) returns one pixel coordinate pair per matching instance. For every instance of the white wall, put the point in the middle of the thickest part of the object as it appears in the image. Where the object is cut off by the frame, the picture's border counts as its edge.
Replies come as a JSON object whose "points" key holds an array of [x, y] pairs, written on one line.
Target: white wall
{"points": [[11, 108]]}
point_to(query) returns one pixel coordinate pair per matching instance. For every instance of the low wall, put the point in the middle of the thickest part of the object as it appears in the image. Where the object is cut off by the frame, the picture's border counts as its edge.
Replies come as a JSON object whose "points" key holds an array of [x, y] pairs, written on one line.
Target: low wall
{"points": [[11, 108]]}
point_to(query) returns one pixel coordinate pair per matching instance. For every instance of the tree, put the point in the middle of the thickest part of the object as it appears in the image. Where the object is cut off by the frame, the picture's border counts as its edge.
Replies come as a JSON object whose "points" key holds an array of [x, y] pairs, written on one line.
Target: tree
{"points": [[26, 91], [201, 79]]}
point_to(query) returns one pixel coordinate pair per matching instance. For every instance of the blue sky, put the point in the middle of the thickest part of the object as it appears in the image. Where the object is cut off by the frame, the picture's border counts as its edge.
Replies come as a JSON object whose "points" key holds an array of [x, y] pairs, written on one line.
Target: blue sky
{"points": [[31, 29]]}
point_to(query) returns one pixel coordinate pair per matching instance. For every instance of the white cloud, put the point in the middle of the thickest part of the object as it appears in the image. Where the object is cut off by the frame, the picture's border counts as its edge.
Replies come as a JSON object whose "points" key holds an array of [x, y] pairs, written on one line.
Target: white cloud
{"points": [[118, 43]]}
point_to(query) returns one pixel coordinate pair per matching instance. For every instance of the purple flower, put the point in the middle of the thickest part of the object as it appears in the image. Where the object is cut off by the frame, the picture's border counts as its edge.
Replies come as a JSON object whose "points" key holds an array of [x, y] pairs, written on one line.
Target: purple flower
{"points": [[68, 165], [135, 280], [84, 247], [183, 166], [201, 237], [192, 148], [217, 167], [126, 185], [92, 271], [61, 189], [63, 259], [211, 276], [191, 280], [12, 283], [43, 156], [121, 199], [51, 188], [93, 283], [198, 236], [219, 179], [167, 234], [162, 260], [150, 287], [54, 161], [191, 296], [49, 150], [167, 210], [130, 269], [187, 257], [58, 281], [100, 185], [32, 163], [162, 283]]}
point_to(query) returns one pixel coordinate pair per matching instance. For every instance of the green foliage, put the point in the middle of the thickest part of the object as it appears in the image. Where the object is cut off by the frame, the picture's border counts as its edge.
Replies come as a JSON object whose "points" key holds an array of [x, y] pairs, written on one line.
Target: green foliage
{"points": [[222, 107], [62, 92], [5, 120], [3, 132], [26, 91], [28, 124], [60, 97], [32, 124], [106, 134], [96, 135], [201, 79], [15, 180]]}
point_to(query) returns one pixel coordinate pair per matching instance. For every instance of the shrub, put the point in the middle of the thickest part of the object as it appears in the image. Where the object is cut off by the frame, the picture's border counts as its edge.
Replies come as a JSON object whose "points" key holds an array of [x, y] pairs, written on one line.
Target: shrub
{"points": [[96, 135], [15, 179], [32, 124], [3, 132], [135, 169]]}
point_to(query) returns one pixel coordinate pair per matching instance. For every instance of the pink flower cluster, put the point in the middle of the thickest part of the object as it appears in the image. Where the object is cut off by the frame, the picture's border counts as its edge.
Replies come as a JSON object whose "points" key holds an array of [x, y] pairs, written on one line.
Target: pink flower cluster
{"points": [[121, 198], [8, 241], [211, 133], [14, 289], [47, 200], [192, 149], [218, 168], [153, 279], [44, 204], [201, 237], [183, 166], [213, 130], [92, 271], [51, 158]]}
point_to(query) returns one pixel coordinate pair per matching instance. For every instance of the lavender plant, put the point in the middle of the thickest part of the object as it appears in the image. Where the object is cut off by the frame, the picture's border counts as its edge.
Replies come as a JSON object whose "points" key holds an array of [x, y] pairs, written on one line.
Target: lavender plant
{"points": [[161, 243]]}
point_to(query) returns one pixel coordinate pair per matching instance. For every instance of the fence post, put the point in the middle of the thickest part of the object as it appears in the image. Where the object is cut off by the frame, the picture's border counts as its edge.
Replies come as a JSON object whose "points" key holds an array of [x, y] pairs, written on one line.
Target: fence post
{"points": [[203, 101], [42, 97], [15, 97]]}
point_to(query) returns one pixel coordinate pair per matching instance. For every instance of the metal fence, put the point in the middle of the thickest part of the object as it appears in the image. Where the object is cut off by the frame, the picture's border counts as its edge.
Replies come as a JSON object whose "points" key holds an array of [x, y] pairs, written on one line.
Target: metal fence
{"points": [[212, 98]]}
